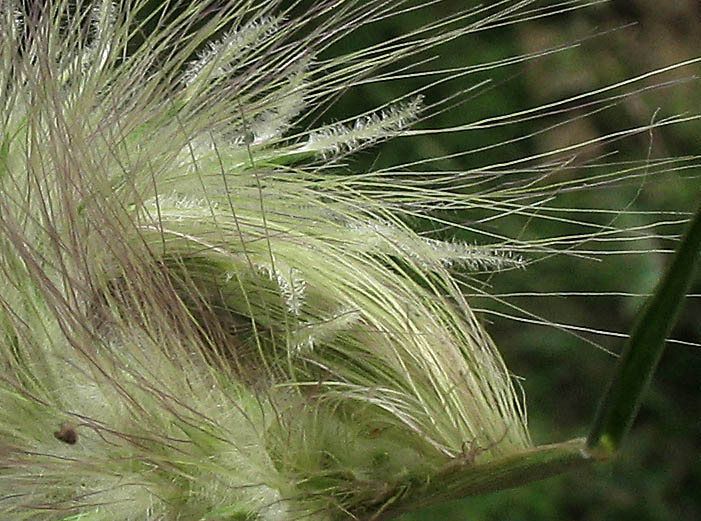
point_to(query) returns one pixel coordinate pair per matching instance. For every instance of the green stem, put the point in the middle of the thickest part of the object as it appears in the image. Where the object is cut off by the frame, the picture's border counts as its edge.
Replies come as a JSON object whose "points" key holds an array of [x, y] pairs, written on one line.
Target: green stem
{"points": [[644, 348], [461, 479]]}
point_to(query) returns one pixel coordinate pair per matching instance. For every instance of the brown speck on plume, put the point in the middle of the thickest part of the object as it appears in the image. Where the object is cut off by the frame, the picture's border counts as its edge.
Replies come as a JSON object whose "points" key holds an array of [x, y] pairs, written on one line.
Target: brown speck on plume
{"points": [[67, 433]]}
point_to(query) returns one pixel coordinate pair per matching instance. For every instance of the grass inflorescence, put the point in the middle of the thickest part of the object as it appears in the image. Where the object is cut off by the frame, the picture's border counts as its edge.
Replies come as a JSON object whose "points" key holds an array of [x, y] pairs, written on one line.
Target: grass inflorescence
{"points": [[201, 316]]}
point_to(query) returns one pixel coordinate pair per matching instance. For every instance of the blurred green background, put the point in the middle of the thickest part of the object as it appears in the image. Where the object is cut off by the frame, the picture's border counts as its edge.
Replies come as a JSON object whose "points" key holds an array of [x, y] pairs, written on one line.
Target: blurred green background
{"points": [[658, 474]]}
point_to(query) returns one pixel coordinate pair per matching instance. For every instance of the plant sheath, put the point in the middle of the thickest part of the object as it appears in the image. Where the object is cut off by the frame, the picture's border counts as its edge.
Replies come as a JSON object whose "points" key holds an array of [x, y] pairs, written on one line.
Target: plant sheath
{"points": [[643, 350]]}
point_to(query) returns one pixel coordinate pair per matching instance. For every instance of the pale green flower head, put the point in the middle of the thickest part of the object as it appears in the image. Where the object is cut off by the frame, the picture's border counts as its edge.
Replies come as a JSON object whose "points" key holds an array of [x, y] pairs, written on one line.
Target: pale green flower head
{"points": [[202, 314]]}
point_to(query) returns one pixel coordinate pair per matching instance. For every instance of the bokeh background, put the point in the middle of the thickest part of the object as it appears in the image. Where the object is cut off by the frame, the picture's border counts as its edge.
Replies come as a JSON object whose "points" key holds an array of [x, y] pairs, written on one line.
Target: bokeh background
{"points": [[657, 476]]}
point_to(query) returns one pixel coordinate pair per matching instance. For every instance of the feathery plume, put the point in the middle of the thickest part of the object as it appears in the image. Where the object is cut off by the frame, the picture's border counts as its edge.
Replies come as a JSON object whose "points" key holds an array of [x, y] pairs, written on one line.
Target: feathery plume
{"points": [[199, 317]]}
